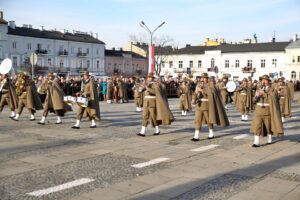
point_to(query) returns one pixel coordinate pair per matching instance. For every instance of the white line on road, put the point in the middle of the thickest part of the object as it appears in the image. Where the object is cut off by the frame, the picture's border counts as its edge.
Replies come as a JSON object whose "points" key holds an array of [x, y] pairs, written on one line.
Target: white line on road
{"points": [[241, 136], [64, 186], [205, 148], [151, 162]]}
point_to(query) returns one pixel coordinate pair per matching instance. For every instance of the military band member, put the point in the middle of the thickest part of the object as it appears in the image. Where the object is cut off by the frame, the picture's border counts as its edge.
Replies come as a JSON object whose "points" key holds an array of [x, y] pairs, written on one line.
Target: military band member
{"points": [[8, 95], [155, 107], [110, 91], [92, 111], [209, 108], [54, 101], [27, 96], [267, 119], [291, 87], [138, 95], [184, 98], [243, 99], [223, 91], [285, 99]]}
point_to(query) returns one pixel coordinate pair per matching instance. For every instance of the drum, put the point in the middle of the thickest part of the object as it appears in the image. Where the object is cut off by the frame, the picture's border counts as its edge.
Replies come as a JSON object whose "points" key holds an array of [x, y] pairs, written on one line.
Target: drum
{"points": [[82, 101], [70, 100], [231, 86]]}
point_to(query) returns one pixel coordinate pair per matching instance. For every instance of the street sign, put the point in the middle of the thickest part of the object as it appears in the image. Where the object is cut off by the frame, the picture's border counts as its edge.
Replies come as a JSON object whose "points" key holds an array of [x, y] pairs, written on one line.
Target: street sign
{"points": [[33, 58]]}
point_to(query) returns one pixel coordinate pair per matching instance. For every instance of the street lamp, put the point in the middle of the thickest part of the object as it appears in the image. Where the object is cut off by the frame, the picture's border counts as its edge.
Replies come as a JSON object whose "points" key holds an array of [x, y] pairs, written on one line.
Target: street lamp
{"points": [[151, 47]]}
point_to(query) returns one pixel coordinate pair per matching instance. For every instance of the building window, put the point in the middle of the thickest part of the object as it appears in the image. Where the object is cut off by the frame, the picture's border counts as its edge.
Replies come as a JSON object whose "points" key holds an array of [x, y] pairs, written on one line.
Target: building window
{"points": [[212, 63], [49, 47], [199, 63], [87, 51], [237, 63], [97, 51], [274, 62], [226, 63], [79, 50], [263, 63], [39, 46], [72, 50], [80, 63], [61, 48], [298, 59], [98, 64], [249, 63], [61, 63], [49, 62], [293, 60], [88, 63], [171, 64], [0, 35], [191, 64], [15, 61], [29, 46], [180, 64], [14, 45]]}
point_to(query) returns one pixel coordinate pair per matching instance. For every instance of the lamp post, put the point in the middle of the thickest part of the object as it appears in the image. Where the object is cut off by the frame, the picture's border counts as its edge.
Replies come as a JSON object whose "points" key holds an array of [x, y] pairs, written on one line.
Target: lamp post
{"points": [[151, 47]]}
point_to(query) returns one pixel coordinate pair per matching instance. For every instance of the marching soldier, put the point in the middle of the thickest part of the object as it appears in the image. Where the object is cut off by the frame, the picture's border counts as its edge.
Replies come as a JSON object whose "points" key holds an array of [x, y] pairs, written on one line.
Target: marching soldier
{"points": [[223, 91], [138, 95], [184, 98], [28, 96], [8, 95], [267, 119], [291, 87], [92, 111], [209, 108], [54, 101], [243, 99], [285, 99], [110, 91], [155, 107]]}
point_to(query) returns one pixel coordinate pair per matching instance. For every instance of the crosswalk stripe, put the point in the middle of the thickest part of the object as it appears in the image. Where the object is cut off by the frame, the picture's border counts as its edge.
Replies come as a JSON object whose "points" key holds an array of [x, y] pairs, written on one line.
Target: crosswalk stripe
{"points": [[151, 162], [205, 148], [241, 136]]}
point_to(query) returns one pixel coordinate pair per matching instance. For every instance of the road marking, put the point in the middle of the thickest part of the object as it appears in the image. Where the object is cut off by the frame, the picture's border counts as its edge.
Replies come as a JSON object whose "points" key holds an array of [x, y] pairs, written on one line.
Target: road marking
{"points": [[64, 186], [151, 162], [205, 148], [241, 136]]}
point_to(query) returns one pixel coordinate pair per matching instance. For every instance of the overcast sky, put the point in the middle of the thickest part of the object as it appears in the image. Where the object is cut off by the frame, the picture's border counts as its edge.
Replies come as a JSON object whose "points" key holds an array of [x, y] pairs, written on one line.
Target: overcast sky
{"points": [[187, 21]]}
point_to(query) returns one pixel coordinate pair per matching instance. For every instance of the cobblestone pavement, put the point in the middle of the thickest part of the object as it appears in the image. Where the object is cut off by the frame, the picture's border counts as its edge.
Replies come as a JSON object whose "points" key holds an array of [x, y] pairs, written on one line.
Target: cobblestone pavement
{"points": [[112, 162]]}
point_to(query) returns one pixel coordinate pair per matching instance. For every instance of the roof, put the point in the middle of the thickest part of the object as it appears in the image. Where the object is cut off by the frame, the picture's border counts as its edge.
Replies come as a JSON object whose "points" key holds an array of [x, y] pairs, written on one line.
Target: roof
{"points": [[119, 53], [56, 35], [254, 47], [294, 45], [234, 48]]}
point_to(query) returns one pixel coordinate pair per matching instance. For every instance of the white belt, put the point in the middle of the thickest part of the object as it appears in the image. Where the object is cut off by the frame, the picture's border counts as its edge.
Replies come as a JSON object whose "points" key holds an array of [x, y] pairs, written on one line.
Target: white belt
{"points": [[262, 104], [243, 94], [204, 99], [149, 97], [282, 97]]}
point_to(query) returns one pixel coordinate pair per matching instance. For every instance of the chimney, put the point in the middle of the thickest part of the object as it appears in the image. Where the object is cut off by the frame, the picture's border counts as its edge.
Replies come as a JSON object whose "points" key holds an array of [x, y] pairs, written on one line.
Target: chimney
{"points": [[30, 26], [187, 45], [41, 28], [12, 24], [1, 14], [121, 49], [113, 49], [295, 38]]}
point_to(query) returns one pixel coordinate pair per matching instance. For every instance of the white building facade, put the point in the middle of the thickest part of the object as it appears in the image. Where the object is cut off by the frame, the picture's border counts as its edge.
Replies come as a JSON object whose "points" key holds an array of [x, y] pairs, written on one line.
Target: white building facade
{"points": [[57, 51], [236, 61]]}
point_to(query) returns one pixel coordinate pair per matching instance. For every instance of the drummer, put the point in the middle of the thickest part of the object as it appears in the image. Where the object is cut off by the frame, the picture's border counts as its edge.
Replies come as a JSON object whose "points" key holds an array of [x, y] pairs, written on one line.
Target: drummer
{"points": [[92, 109]]}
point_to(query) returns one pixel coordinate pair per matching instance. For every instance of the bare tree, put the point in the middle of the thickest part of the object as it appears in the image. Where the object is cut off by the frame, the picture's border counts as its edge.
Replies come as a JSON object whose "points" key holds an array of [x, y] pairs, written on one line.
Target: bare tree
{"points": [[164, 45]]}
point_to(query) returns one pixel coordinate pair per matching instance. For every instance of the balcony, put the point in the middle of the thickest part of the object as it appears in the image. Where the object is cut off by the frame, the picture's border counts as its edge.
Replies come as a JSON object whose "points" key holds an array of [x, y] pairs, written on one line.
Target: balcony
{"points": [[248, 69], [41, 52], [62, 53], [81, 54]]}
